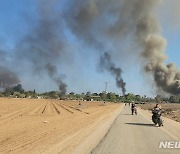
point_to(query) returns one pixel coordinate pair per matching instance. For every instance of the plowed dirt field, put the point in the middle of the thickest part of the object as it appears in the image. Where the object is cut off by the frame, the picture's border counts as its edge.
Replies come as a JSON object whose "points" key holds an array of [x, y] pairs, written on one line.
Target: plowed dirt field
{"points": [[50, 126]]}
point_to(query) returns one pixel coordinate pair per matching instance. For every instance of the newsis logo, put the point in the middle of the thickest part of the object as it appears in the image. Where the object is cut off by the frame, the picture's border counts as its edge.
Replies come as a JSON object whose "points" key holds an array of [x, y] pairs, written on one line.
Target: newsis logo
{"points": [[169, 145]]}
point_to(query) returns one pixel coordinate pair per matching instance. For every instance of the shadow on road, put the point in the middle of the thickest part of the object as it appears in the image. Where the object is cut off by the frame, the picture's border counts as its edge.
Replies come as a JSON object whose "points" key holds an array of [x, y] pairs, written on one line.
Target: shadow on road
{"points": [[125, 114], [141, 124]]}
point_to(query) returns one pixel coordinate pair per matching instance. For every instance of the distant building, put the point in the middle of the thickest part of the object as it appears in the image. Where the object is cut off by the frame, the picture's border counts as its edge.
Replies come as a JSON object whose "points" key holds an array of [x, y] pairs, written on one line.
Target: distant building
{"points": [[92, 98], [39, 97]]}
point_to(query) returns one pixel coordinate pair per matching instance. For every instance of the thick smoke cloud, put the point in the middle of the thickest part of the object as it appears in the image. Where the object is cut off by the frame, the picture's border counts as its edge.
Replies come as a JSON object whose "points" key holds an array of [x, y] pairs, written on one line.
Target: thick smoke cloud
{"points": [[7, 78], [148, 34], [83, 20], [107, 64], [136, 18], [102, 25], [17, 88], [43, 47]]}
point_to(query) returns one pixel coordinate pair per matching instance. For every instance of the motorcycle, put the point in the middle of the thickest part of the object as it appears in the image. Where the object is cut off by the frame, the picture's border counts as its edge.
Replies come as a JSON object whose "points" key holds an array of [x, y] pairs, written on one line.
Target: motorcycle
{"points": [[156, 117]]}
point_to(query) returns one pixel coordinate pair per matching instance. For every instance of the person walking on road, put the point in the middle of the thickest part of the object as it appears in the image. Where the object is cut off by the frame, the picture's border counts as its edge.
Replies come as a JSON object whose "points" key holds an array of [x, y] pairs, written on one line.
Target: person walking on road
{"points": [[133, 109]]}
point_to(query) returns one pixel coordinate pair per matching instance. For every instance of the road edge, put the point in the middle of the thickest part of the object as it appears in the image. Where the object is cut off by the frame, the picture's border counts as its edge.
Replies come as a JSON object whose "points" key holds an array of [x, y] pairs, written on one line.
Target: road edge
{"points": [[101, 130]]}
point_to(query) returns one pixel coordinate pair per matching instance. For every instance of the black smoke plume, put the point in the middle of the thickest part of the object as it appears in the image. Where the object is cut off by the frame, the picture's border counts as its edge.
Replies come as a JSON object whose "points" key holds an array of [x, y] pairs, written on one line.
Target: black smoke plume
{"points": [[17, 88], [7, 78], [43, 47], [102, 22], [107, 64], [57, 78], [83, 20]]}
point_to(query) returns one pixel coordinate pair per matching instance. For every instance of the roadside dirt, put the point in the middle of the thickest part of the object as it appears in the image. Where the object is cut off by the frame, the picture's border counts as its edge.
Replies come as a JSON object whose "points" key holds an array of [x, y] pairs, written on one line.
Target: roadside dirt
{"points": [[51, 126]]}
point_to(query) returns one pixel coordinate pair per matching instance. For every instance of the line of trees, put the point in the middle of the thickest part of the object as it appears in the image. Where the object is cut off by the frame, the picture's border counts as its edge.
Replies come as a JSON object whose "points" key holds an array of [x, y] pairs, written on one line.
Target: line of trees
{"points": [[19, 92]]}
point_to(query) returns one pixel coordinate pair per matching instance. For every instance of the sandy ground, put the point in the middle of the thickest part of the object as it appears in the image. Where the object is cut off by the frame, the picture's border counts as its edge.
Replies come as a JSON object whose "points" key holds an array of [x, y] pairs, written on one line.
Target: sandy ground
{"points": [[53, 126], [135, 134], [170, 110]]}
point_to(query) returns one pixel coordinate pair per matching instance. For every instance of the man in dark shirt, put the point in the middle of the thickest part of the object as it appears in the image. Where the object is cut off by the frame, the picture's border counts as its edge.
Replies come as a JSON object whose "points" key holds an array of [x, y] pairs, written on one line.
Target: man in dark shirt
{"points": [[133, 107]]}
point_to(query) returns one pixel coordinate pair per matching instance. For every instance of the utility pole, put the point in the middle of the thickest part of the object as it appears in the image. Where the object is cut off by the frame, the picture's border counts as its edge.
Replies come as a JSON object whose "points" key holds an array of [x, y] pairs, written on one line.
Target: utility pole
{"points": [[106, 83]]}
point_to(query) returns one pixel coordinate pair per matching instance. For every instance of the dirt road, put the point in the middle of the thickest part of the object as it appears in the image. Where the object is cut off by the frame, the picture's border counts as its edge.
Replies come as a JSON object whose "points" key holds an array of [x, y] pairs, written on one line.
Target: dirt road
{"points": [[135, 134]]}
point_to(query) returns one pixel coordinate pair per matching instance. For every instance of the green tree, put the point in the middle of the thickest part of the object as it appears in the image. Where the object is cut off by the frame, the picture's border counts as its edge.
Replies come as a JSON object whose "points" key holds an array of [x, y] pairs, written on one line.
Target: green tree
{"points": [[158, 99], [88, 93], [78, 96], [95, 94], [72, 93], [103, 96], [130, 97], [1, 95], [174, 99], [111, 96], [138, 98], [17, 94], [53, 94]]}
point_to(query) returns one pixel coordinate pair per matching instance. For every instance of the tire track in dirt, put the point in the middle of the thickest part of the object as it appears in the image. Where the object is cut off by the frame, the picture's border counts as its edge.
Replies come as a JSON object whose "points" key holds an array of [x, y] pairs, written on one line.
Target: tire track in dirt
{"points": [[6, 110], [21, 141], [76, 109], [48, 109], [48, 135], [37, 110], [11, 116], [58, 112], [44, 108], [66, 109]]}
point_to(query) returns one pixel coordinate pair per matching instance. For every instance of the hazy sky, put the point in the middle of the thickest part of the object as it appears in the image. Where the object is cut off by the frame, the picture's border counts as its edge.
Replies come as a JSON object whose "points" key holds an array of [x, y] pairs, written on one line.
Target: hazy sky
{"points": [[79, 63]]}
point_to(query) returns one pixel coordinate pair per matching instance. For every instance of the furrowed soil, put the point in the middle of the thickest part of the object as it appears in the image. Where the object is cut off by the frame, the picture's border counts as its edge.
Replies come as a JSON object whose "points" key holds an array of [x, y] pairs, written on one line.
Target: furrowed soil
{"points": [[53, 126], [169, 110]]}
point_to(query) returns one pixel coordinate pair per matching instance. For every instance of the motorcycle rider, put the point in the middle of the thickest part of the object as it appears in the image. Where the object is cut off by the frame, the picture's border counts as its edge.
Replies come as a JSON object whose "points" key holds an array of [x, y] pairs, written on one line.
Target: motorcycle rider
{"points": [[156, 114], [158, 108]]}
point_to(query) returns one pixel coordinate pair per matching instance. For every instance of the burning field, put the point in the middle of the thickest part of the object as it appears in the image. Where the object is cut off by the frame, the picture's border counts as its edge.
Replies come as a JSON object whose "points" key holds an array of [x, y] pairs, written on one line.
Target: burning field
{"points": [[49, 126], [170, 110]]}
